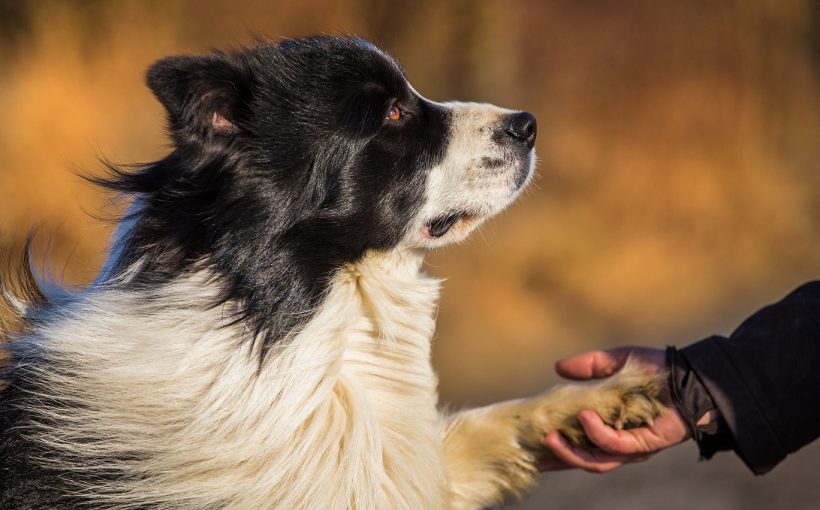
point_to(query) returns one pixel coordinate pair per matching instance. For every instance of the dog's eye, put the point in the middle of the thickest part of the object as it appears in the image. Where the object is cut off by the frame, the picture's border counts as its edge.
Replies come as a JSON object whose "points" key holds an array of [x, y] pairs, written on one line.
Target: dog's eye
{"points": [[394, 114]]}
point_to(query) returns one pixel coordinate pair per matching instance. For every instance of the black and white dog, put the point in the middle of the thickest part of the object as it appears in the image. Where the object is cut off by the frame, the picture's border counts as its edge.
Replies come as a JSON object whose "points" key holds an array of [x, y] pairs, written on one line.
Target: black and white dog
{"points": [[260, 335]]}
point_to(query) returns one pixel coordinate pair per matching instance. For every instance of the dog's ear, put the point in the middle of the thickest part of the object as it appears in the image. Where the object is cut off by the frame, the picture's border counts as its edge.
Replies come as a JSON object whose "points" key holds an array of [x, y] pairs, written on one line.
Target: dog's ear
{"points": [[205, 96]]}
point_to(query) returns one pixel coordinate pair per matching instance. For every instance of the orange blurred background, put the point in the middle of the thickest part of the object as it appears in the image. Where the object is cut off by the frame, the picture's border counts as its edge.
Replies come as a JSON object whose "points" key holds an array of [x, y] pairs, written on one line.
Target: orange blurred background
{"points": [[678, 186]]}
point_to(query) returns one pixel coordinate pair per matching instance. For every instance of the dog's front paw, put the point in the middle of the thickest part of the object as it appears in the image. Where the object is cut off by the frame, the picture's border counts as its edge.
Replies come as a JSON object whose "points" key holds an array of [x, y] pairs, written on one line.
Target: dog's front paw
{"points": [[492, 453], [629, 399]]}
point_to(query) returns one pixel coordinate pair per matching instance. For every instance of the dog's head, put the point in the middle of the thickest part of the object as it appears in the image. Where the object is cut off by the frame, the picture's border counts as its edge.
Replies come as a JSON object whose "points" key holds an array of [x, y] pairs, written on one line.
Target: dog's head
{"points": [[291, 160]]}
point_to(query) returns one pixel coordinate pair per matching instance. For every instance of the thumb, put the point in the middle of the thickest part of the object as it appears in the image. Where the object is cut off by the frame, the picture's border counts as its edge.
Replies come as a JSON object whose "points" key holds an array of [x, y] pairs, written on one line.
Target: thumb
{"points": [[593, 364]]}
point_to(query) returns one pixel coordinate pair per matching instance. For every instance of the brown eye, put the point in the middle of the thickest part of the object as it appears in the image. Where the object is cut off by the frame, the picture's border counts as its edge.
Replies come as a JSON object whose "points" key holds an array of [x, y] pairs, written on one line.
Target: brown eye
{"points": [[394, 113]]}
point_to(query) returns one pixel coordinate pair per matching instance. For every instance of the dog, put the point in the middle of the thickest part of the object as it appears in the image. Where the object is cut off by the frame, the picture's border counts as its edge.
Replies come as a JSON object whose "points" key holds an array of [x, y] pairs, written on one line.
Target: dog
{"points": [[259, 336]]}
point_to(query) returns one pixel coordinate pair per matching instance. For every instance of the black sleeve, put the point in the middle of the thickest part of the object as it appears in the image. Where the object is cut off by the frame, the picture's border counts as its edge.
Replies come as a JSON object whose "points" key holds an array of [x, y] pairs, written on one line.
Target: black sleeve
{"points": [[764, 379]]}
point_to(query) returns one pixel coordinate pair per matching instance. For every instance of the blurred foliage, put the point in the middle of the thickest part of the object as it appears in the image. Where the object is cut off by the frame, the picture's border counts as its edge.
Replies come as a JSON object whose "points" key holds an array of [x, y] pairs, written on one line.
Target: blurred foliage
{"points": [[679, 142]]}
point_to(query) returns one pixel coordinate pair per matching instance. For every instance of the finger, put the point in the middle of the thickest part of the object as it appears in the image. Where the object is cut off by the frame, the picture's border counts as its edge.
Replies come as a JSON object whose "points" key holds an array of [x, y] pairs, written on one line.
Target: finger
{"points": [[594, 462], [620, 442], [593, 364], [552, 464]]}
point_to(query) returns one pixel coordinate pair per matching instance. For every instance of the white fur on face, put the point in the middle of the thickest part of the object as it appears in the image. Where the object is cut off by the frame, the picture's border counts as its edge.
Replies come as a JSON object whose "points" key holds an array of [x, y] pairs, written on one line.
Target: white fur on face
{"points": [[477, 178]]}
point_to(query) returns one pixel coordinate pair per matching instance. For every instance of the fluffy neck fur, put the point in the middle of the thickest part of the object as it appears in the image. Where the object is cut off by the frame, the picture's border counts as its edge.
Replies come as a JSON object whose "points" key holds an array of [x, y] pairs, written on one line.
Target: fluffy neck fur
{"points": [[159, 391]]}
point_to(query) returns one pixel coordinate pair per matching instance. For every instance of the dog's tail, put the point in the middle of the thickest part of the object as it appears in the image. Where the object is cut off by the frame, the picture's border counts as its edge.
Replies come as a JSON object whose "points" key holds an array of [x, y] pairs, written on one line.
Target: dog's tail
{"points": [[19, 293]]}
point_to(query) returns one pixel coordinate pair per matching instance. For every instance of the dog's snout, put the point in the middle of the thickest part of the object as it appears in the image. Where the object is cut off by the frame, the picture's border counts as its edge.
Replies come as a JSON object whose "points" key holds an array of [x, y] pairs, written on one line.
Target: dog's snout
{"points": [[523, 128]]}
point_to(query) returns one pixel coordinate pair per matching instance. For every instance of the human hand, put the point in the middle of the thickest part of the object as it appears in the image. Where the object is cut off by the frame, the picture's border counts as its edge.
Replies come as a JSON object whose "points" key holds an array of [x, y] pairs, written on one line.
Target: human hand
{"points": [[617, 447]]}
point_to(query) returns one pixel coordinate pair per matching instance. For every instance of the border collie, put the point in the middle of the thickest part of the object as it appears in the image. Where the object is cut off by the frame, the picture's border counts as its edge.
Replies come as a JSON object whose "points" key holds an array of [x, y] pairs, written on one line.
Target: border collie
{"points": [[259, 336]]}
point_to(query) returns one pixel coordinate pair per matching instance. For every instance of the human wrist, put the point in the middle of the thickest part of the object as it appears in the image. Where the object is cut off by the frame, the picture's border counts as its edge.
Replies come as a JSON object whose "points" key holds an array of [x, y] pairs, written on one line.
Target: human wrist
{"points": [[689, 396], [711, 416]]}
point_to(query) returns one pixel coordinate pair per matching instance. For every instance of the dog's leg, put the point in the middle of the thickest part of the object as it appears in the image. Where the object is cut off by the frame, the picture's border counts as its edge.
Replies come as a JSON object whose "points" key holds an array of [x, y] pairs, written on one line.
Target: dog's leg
{"points": [[491, 452]]}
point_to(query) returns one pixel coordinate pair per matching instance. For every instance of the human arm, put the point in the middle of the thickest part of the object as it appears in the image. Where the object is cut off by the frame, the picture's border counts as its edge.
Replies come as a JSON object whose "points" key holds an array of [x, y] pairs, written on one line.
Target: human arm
{"points": [[755, 392]]}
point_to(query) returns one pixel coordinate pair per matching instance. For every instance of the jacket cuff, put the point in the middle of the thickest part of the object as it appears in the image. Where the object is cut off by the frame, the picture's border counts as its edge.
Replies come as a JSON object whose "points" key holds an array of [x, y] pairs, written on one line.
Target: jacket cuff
{"points": [[693, 401], [754, 439]]}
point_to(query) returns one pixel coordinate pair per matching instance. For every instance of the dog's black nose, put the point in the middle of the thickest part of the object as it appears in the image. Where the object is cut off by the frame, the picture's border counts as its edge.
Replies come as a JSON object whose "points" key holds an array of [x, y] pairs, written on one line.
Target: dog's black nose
{"points": [[523, 128]]}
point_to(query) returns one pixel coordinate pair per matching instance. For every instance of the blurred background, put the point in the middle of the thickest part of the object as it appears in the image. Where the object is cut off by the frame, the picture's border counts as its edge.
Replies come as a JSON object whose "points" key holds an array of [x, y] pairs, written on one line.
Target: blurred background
{"points": [[677, 192]]}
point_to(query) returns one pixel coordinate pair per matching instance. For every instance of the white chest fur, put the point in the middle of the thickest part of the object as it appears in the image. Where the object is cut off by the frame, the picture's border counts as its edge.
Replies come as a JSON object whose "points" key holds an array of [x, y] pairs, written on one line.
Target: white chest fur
{"points": [[386, 369], [342, 415]]}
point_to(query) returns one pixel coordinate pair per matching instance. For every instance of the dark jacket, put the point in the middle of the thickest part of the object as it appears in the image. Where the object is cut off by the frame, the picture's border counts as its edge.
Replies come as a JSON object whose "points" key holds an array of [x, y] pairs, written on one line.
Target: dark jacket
{"points": [[764, 379]]}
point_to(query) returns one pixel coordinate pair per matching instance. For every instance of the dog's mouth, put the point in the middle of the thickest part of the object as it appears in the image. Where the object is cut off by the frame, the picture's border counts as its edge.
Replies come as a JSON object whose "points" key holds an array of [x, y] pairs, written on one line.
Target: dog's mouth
{"points": [[440, 225]]}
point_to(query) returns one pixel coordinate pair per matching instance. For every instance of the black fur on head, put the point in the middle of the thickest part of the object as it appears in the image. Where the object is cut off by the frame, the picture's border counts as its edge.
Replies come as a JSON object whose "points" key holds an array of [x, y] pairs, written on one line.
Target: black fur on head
{"points": [[285, 167]]}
